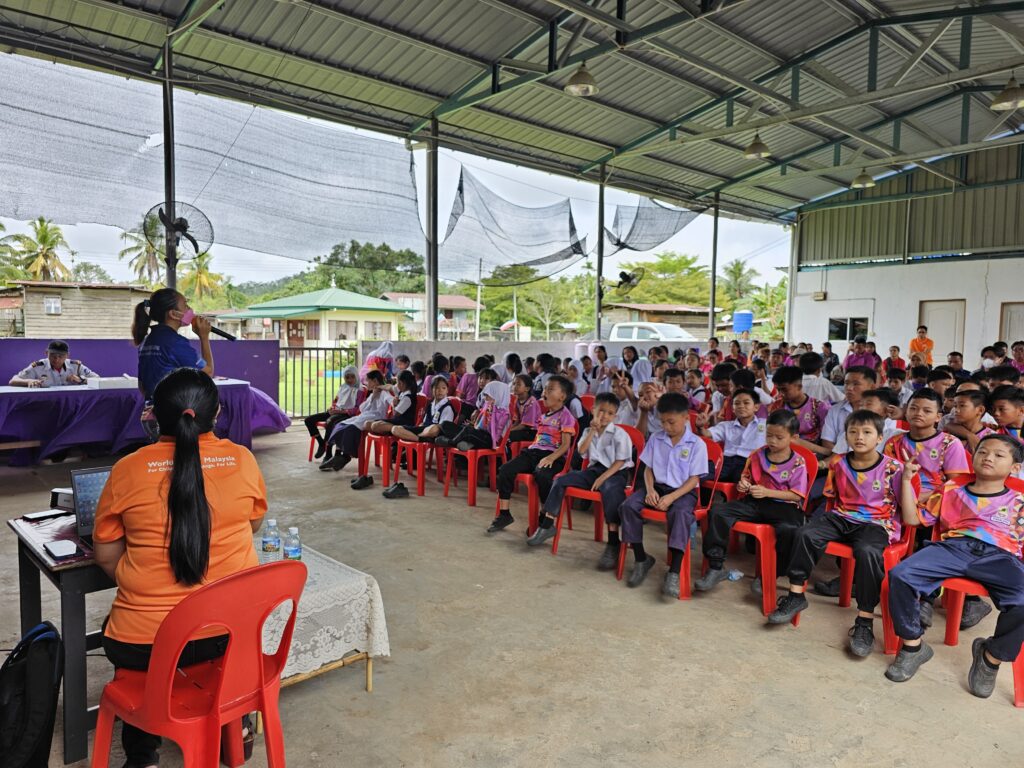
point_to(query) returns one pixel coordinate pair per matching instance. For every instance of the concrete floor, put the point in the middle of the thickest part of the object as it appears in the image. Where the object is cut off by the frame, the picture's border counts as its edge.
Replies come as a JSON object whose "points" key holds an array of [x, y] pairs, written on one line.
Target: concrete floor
{"points": [[504, 656]]}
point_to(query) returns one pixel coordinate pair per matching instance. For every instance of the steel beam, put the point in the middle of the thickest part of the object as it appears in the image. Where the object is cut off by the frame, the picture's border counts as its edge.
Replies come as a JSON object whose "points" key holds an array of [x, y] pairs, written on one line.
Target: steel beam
{"points": [[432, 233], [714, 269], [600, 253], [171, 239], [194, 14]]}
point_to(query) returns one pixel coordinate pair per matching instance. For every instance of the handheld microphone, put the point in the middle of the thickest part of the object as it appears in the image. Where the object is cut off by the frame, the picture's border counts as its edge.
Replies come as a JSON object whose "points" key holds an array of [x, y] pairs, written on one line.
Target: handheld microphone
{"points": [[223, 334]]}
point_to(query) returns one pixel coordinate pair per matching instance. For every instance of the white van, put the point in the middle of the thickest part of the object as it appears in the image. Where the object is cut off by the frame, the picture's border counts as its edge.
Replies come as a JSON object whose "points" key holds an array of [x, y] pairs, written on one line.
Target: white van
{"points": [[649, 332]]}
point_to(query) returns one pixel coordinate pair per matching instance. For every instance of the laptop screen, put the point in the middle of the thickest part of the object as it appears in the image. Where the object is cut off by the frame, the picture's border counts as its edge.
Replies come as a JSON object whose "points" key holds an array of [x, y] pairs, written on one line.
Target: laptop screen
{"points": [[86, 487]]}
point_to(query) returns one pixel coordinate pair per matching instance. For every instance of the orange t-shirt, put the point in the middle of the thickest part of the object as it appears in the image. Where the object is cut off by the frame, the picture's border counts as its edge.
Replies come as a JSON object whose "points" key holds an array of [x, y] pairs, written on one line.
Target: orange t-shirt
{"points": [[133, 506], [922, 347]]}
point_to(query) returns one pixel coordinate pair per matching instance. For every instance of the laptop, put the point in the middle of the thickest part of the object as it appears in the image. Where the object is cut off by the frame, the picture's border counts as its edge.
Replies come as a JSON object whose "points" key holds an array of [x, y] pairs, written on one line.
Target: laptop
{"points": [[86, 487]]}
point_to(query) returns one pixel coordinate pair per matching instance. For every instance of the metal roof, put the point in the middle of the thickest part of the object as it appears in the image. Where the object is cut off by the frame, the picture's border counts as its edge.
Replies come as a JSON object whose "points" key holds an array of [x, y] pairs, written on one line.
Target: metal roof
{"points": [[832, 85], [327, 298]]}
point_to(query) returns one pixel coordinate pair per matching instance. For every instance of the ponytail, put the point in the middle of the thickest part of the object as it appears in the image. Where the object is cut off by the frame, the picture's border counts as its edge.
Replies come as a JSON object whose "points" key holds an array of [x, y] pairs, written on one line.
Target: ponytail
{"points": [[185, 404], [152, 310]]}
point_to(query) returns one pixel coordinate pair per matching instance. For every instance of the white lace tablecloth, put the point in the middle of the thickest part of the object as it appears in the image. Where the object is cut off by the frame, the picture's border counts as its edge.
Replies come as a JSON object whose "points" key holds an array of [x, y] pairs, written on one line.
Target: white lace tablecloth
{"points": [[340, 611]]}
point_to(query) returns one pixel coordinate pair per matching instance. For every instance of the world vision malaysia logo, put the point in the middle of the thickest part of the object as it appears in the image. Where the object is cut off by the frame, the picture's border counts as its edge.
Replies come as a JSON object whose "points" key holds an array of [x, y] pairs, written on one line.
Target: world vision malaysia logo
{"points": [[209, 462]]}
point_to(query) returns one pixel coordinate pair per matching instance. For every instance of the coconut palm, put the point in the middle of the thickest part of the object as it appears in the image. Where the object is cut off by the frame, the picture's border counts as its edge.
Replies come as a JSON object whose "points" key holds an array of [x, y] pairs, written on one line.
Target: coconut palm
{"points": [[737, 279], [145, 260], [197, 280], [39, 254]]}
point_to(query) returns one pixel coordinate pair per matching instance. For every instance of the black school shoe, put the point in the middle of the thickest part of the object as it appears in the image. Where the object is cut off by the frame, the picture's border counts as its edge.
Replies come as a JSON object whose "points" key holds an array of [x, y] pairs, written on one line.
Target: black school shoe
{"points": [[336, 463], [364, 481], [981, 680], [501, 522], [974, 611], [321, 447], [788, 606], [862, 639], [396, 491], [827, 588], [905, 665]]}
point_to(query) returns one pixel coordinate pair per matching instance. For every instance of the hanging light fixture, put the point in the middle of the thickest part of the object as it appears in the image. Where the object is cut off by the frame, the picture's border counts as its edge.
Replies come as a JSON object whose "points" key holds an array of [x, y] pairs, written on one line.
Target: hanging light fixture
{"points": [[582, 83], [1010, 98], [863, 180], [757, 149]]}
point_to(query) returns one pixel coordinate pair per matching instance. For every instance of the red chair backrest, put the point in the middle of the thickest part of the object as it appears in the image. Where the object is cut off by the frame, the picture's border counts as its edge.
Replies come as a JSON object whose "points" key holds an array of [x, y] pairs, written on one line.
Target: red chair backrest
{"points": [[421, 407], [240, 604], [638, 442], [693, 422], [716, 457], [587, 401], [902, 424], [811, 459]]}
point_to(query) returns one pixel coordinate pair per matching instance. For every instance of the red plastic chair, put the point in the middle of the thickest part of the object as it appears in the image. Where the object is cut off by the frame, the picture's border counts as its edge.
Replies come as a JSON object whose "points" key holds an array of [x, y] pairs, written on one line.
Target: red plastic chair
{"points": [[587, 401], [594, 497], [473, 458], [197, 706], [424, 453], [381, 445], [700, 512], [312, 439], [533, 493]]}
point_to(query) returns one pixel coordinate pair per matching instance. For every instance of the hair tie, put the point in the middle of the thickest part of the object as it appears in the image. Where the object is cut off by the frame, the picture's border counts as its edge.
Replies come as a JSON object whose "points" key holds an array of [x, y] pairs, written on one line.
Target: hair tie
{"points": [[190, 412]]}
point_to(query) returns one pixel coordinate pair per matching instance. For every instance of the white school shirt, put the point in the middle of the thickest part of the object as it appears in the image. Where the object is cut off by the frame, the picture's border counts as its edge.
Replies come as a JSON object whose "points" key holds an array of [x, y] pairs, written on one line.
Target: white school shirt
{"points": [[627, 414], [949, 418], [610, 446], [717, 401], [822, 389], [835, 424], [438, 412], [738, 440]]}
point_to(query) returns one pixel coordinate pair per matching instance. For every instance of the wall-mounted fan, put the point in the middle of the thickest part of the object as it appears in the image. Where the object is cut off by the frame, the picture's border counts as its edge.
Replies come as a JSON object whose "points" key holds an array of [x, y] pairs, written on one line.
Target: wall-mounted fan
{"points": [[193, 231]]}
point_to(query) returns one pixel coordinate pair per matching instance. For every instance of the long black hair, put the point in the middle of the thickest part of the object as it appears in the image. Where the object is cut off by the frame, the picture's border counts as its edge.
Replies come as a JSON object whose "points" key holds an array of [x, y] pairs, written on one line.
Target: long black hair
{"points": [[153, 310], [407, 379], [185, 404]]}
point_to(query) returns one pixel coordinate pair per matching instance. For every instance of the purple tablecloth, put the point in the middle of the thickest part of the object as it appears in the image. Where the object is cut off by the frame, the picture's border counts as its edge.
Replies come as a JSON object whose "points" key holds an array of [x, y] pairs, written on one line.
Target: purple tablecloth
{"points": [[64, 417]]}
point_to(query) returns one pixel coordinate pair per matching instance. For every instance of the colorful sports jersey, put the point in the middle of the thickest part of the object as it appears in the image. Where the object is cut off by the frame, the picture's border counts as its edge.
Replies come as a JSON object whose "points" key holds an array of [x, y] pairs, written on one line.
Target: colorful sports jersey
{"points": [[867, 495], [550, 427], [790, 475], [940, 456], [526, 412], [811, 416], [1013, 432], [997, 519]]}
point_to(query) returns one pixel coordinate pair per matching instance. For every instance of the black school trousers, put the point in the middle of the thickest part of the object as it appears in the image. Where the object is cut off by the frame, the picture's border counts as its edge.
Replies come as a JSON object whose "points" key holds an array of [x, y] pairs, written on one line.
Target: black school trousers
{"points": [[783, 516], [526, 463], [867, 540]]}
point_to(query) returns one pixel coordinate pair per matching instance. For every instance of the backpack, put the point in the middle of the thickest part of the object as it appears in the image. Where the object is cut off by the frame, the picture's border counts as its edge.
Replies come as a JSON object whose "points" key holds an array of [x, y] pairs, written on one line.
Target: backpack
{"points": [[29, 682]]}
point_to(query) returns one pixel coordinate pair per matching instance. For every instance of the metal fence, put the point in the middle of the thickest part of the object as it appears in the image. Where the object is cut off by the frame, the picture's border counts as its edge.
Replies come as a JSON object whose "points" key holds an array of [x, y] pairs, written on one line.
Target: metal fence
{"points": [[310, 376]]}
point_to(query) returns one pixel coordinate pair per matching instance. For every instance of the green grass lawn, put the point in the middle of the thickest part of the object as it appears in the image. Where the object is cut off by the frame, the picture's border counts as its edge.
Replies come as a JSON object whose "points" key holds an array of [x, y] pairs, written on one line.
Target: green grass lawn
{"points": [[303, 387]]}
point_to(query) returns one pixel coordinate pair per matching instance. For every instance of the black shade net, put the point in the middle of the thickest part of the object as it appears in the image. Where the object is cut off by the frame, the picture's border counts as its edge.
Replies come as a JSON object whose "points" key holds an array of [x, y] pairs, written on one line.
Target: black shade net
{"points": [[644, 226]]}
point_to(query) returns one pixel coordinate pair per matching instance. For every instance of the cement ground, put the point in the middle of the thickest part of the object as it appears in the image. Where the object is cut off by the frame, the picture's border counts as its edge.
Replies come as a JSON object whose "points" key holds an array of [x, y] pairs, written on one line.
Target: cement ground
{"points": [[504, 656]]}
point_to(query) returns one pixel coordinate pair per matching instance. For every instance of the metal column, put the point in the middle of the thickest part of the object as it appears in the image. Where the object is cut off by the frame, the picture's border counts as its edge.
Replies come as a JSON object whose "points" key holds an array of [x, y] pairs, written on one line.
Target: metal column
{"points": [[170, 247], [431, 277], [600, 252], [714, 272], [794, 266]]}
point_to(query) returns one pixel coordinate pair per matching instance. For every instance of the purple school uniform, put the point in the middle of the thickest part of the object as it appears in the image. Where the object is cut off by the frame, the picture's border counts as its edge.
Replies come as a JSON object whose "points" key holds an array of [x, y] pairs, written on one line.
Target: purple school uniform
{"points": [[550, 428], [997, 520], [790, 475], [869, 496], [811, 416], [940, 456]]}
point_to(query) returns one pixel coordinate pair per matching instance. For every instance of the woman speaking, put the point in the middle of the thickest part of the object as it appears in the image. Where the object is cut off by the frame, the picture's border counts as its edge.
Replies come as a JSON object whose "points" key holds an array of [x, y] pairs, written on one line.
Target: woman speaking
{"points": [[162, 349], [174, 516]]}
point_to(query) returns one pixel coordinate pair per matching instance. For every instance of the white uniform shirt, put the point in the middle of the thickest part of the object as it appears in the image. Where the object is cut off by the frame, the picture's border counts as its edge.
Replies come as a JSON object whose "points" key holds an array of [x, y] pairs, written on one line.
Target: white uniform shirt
{"points": [[822, 389], [610, 446], [627, 414], [739, 440], [834, 427], [41, 370]]}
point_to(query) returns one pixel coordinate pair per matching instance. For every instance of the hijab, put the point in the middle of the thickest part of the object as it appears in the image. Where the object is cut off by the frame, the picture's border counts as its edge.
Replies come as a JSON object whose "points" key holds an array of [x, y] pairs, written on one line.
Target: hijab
{"points": [[581, 375], [642, 371], [347, 393], [499, 392]]}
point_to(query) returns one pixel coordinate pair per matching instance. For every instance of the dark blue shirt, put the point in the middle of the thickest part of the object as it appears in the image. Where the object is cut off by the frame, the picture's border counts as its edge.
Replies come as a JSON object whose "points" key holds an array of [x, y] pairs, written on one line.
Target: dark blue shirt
{"points": [[163, 351]]}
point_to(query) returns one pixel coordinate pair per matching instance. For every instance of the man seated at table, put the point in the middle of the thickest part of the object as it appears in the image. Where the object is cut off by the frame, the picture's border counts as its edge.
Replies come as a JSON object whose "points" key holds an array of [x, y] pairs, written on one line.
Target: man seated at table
{"points": [[54, 370]]}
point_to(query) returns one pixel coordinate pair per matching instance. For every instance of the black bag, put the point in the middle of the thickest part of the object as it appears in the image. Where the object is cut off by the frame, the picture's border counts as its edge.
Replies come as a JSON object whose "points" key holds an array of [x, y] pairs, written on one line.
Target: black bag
{"points": [[29, 684]]}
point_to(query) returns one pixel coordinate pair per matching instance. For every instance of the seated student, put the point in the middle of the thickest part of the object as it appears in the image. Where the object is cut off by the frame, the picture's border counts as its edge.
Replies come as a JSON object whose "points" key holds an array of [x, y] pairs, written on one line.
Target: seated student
{"points": [[896, 380], [969, 410], [489, 426], [982, 534], [440, 368], [775, 482], [544, 457], [810, 413], [863, 490], [402, 363], [547, 366], [858, 380], [1007, 405], [815, 385], [712, 360], [885, 403], [674, 462], [1003, 376], [659, 368], [1017, 361], [575, 407], [759, 368], [739, 437], [609, 453], [574, 372], [348, 435], [345, 403], [745, 379], [647, 406], [629, 403], [419, 370], [458, 369], [918, 380], [469, 383], [695, 388], [940, 379], [894, 360], [403, 406], [439, 410], [524, 410]]}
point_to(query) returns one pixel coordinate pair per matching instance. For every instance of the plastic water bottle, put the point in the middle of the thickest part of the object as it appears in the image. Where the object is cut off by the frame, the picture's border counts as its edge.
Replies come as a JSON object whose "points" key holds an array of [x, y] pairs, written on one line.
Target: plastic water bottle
{"points": [[292, 545], [735, 575], [270, 546]]}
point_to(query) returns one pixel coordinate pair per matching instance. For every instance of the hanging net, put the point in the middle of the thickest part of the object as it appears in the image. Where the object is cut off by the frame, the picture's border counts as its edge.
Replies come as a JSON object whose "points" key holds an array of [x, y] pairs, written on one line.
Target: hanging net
{"points": [[645, 226], [488, 237], [78, 146]]}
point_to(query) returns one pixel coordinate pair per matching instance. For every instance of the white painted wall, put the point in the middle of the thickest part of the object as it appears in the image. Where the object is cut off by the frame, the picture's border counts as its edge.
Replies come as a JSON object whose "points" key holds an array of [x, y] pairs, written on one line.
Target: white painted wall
{"points": [[890, 295]]}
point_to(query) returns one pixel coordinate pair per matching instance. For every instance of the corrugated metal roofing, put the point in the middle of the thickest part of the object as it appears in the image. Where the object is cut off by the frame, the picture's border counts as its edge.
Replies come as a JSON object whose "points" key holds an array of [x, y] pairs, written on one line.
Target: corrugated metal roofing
{"points": [[389, 65]]}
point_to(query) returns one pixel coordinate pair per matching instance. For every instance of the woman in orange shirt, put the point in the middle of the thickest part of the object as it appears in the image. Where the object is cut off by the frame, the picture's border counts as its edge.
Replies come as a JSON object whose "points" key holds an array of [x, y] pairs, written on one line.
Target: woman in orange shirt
{"points": [[173, 516], [922, 344]]}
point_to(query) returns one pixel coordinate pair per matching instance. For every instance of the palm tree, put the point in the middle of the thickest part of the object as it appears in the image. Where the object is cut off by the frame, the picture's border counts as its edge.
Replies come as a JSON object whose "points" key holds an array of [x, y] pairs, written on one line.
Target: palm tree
{"points": [[737, 279], [197, 280], [145, 260], [39, 254], [10, 266]]}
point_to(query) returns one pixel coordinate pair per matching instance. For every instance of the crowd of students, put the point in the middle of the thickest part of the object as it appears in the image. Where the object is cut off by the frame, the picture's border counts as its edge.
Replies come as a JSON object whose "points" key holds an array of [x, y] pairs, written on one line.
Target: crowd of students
{"points": [[923, 460]]}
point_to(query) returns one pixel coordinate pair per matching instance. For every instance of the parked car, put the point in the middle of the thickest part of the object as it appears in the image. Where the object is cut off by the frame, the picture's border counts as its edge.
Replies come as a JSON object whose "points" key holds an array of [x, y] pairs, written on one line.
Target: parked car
{"points": [[649, 332]]}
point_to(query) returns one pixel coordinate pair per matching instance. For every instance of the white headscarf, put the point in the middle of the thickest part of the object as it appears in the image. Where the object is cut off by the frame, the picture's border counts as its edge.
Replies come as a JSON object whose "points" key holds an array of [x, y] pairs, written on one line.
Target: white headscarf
{"points": [[614, 364], [581, 375], [503, 373], [499, 392], [642, 371], [347, 393]]}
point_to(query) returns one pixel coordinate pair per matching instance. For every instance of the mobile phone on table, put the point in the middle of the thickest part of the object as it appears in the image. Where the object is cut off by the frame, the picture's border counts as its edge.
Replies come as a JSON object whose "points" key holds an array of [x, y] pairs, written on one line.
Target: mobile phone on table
{"points": [[60, 550]]}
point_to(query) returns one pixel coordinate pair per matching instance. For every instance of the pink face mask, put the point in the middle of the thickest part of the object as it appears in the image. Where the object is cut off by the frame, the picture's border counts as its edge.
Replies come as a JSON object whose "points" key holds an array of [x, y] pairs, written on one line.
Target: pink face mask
{"points": [[188, 316]]}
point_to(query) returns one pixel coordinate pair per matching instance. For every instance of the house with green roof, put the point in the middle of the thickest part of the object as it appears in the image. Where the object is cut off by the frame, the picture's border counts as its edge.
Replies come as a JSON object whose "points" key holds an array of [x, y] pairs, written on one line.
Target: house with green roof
{"points": [[328, 318]]}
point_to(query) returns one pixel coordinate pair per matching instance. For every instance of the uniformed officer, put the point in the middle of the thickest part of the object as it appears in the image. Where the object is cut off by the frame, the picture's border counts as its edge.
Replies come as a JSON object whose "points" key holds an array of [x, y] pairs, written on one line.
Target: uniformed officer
{"points": [[54, 370]]}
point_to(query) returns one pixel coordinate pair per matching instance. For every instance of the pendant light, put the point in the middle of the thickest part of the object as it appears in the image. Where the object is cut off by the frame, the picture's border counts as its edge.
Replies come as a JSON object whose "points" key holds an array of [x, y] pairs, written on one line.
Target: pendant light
{"points": [[757, 150], [863, 180], [1010, 98], [582, 83]]}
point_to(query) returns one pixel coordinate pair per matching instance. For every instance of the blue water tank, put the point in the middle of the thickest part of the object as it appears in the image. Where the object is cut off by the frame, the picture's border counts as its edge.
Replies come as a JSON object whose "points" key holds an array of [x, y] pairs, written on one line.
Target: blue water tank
{"points": [[742, 321]]}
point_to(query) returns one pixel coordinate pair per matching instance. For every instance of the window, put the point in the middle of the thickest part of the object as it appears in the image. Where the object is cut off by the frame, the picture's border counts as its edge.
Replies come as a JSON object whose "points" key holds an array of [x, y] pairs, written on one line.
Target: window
{"points": [[376, 331], [343, 330], [51, 305], [846, 328], [646, 334]]}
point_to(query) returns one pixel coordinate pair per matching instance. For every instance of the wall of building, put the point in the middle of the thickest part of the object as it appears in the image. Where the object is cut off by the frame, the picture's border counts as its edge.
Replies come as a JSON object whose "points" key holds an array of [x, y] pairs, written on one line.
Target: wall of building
{"points": [[94, 313], [890, 296], [361, 318]]}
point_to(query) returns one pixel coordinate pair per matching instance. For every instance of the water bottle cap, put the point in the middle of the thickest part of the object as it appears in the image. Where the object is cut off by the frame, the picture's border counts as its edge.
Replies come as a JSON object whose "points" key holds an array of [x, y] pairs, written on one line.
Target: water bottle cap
{"points": [[293, 530], [271, 521]]}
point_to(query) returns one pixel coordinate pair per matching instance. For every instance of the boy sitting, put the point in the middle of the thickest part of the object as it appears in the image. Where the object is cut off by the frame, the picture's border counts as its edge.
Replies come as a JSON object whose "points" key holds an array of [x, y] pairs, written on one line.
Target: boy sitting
{"points": [[896, 380], [810, 413], [969, 409], [940, 380], [674, 461], [739, 437], [609, 453], [775, 481], [1008, 410], [863, 490], [982, 527]]}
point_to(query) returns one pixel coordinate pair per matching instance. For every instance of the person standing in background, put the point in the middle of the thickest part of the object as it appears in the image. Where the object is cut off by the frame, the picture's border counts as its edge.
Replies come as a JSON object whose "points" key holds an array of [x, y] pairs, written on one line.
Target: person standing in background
{"points": [[922, 344]]}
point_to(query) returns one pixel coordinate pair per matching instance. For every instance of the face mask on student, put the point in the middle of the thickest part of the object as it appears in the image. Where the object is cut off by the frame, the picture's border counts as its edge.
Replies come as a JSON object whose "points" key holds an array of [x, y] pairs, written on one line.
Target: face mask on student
{"points": [[988, 362]]}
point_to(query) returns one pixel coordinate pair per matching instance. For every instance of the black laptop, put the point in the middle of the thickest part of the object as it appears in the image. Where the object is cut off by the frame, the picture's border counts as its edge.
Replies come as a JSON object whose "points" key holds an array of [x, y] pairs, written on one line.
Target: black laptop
{"points": [[86, 487]]}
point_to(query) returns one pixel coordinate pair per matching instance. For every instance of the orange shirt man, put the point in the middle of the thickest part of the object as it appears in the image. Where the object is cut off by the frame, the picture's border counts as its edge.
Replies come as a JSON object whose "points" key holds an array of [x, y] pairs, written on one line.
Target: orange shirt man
{"points": [[922, 344], [133, 507]]}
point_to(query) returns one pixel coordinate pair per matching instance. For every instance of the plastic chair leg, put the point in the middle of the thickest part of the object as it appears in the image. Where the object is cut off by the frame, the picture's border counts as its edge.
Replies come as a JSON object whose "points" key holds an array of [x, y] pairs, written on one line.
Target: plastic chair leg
{"points": [[493, 462], [231, 741], [101, 742], [421, 470], [621, 566], [448, 475], [384, 445], [558, 526], [312, 443], [598, 508], [954, 612], [769, 569], [890, 642], [1018, 679], [471, 476], [273, 736], [684, 574], [845, 582]]}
